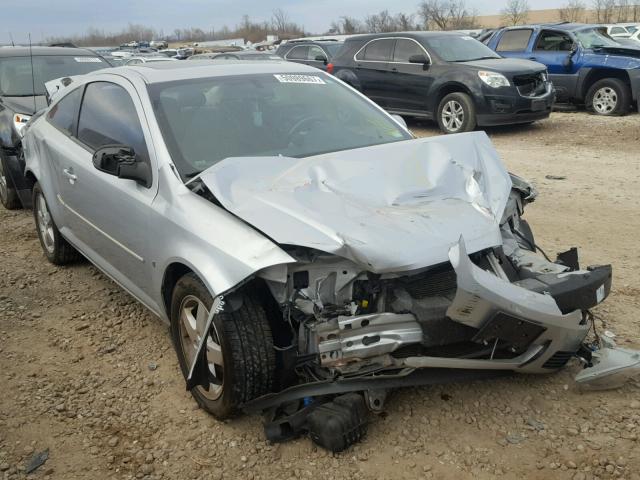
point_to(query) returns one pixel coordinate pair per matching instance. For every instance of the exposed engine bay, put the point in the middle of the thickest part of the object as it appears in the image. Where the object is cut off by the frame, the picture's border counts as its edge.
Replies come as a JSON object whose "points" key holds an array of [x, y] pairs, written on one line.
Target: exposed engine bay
{"points": [[400, 270]]}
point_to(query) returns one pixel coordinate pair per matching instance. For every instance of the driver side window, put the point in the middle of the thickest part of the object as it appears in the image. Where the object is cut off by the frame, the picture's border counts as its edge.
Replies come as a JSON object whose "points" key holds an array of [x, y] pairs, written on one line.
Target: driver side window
{"points": [[109, 117], [551, 41]]}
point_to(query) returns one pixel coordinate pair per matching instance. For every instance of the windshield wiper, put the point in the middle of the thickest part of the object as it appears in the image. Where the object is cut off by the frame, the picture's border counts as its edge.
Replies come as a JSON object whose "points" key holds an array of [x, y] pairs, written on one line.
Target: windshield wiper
{"points": [[474, 59]]}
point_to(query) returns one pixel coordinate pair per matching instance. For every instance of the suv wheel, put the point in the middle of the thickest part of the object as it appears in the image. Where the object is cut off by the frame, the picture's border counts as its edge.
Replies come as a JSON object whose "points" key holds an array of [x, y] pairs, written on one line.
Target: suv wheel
{"points": [[456, 113], [8, 195], [57, 250], [239, 349], [609, 96]]}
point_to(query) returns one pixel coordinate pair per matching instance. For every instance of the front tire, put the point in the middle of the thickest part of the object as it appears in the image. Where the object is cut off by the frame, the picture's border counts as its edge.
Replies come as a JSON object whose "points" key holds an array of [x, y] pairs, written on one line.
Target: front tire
{"points": [[456, 113], [609, 97], [8, 195], [239, 352], [57, 250]]}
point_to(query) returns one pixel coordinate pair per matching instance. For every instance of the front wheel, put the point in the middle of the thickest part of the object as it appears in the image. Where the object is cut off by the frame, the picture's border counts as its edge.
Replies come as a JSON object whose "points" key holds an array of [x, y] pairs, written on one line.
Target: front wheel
{"points": [[240, 358], [456, 113], [609, 97]]}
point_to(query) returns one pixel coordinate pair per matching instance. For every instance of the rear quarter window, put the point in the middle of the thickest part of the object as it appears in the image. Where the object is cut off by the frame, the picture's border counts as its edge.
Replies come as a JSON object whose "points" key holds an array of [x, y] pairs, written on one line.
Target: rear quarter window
{"points": [[63, 115], [514, 40]]}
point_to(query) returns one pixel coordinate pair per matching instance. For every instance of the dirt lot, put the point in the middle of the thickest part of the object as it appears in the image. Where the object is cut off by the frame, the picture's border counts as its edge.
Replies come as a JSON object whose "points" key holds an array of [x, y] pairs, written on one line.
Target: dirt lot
{"points": [[90, 375]]}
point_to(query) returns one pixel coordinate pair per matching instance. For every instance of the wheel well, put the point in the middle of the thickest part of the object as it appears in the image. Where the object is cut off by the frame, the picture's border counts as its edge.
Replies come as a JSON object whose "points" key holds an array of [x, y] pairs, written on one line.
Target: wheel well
{"points": [[172, 274], [447, 89], [31, 179], [256, 287], [602, 73]]}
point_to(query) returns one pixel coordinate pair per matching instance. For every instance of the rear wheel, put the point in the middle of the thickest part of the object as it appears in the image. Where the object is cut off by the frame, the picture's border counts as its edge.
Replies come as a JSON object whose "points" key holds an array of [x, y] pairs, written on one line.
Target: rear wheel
{"points": [[8, 195], [240, 358], [57, 250], [609, 96], [456, 113]]}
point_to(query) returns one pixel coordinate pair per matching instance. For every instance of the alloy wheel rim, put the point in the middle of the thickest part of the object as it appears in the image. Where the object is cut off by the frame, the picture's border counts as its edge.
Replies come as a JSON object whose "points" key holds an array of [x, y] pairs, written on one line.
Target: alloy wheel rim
{"points": [[453, 115], [3, 182], [45, 224], [605, 100], [192, 324]]}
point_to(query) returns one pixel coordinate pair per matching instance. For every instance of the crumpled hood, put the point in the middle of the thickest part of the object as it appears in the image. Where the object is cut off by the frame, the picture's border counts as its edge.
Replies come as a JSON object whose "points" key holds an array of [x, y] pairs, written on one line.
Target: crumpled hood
{"points": [[390, 208]]}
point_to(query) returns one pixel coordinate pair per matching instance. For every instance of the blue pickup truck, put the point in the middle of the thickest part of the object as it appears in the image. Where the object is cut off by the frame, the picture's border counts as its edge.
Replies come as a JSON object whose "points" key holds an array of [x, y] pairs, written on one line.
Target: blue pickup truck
{"points": [[584, 63]]}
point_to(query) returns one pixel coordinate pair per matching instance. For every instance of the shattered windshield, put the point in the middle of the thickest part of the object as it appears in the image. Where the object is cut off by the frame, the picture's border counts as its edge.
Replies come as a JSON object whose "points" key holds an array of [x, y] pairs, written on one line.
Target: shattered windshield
{"points": [[15, 72], [207, 120], [594, 38]]}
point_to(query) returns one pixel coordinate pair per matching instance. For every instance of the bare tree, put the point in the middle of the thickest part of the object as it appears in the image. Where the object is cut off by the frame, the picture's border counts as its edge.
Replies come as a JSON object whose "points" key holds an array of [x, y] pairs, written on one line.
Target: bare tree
{"points": [[380, 22], [515, 12], [280, 20], [346, 26], [446, 15], [404, 22], [573, 11], [604, 10]]}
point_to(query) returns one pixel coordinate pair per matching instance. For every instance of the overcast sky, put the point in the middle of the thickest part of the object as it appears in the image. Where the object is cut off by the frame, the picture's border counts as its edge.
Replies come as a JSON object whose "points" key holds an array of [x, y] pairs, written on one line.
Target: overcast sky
{"points": [[67, 17]]}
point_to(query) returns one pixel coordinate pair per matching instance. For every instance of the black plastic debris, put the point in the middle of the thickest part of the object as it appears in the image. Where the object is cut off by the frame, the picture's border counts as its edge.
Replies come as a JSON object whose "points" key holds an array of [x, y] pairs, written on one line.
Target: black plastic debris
{"points": [[36, 460], [339, 424], [555, 177]]}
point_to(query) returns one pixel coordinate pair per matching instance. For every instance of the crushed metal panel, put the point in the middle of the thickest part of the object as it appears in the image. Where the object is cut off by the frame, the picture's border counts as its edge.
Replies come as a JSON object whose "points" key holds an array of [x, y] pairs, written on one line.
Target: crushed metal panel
{"points": [[480, 293], [392, 207]]}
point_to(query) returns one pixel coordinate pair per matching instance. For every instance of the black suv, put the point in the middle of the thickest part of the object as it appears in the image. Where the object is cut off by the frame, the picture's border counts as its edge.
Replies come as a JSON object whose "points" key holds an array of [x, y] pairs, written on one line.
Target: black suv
{"points": [[316, 53], [449, 77], [22, 70]]}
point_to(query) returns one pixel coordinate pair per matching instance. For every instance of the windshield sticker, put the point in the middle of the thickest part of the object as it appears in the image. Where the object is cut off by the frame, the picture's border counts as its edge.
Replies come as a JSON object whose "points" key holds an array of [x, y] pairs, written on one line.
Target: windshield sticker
{"points": [[299, 79], [467, 38], [87, 59]]}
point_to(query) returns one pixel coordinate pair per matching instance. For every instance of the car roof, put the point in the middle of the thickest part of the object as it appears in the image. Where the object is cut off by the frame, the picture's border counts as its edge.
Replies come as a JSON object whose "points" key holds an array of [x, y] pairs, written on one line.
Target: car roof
{"points": [[159, 72], [415, 35], [44, 51], [568, 27]]}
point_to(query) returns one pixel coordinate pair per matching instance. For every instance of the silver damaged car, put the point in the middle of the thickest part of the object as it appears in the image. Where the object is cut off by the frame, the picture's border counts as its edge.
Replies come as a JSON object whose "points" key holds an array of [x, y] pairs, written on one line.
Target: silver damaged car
{"points": [[308, 253]]}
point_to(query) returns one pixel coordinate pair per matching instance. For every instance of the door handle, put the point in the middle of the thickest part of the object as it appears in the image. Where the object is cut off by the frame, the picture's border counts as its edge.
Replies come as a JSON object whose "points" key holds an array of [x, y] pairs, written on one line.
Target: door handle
{"points": [[532, 58], [68, 172], [394, 70]]}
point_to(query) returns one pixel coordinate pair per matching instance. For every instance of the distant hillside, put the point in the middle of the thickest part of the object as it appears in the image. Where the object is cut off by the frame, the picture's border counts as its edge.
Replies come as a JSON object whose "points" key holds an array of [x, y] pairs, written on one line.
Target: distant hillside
{"points": [[553, 15]]}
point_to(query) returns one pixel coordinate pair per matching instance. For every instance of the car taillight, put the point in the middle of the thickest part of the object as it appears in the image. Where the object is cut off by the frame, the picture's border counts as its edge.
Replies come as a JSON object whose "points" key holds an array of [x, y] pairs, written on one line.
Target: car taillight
{"points": [[330, 68]]}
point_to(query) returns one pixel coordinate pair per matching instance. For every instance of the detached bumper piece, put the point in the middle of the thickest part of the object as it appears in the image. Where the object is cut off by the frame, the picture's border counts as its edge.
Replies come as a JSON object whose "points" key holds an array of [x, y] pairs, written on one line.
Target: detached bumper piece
{"points": [[609, 367]]}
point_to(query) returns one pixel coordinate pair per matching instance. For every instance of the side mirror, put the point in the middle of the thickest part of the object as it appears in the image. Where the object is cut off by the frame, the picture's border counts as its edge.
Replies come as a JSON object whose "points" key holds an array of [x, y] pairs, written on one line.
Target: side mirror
{"points": [[322, 58], [421, 59], [121, 161]]}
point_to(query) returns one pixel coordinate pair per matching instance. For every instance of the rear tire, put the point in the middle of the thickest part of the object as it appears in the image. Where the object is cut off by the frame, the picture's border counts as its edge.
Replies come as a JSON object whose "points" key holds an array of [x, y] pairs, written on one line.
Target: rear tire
{"points": [[456, 113], [609, 97], [247, 367], [8, 194], [57, 250]]}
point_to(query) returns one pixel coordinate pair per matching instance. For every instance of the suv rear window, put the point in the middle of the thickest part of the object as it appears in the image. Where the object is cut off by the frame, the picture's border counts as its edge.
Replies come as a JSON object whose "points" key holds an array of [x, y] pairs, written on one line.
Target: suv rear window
{"points": [[514, 40], [377, 51]]}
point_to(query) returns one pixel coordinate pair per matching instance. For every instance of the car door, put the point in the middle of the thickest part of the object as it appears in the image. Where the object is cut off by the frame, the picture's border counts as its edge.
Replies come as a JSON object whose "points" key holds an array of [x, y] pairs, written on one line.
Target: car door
{"points": [[372, 69], [553, 48], [514, 43], [409, 83], [108, 215]]}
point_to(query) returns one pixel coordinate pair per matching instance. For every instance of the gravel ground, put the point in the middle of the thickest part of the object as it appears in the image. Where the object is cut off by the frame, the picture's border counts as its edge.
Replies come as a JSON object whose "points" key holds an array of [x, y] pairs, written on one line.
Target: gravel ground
{"points": [[90, 375]]}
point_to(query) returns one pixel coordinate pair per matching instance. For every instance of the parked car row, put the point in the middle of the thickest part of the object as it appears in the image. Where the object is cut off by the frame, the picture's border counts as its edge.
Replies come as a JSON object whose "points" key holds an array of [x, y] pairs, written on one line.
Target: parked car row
{"points": [[452, 79]]}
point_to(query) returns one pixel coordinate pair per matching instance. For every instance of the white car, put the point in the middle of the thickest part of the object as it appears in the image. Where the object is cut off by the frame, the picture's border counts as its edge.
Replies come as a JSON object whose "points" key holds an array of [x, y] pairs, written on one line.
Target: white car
{"points": [[140, 60], [618, 31]]}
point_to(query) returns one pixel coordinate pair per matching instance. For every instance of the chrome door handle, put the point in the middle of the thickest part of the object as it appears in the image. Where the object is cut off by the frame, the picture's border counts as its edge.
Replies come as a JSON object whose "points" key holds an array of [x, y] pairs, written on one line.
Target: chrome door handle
{"points": [[68, 172]]}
